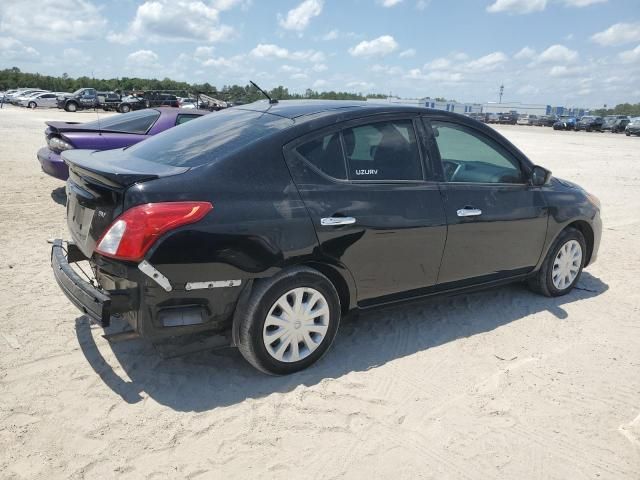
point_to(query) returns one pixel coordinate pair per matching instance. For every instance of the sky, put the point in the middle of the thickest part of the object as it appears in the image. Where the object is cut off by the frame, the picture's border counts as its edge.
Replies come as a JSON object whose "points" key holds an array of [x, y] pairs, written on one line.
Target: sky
{"points": [[558, 52]]}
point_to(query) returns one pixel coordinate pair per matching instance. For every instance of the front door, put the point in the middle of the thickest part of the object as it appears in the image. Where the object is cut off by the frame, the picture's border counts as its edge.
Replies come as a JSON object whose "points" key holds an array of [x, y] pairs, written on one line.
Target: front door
{"points": [[497, 221], [373, 209]]}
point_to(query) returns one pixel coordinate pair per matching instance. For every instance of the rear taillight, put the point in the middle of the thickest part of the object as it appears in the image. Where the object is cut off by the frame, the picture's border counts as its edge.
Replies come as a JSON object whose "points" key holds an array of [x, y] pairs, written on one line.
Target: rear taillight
{"points": [[132, 233]]}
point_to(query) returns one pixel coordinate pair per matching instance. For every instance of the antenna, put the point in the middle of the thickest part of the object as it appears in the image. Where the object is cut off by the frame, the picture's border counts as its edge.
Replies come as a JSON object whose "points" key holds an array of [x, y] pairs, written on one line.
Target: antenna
{"points": [[501, 92], [271, 100]]}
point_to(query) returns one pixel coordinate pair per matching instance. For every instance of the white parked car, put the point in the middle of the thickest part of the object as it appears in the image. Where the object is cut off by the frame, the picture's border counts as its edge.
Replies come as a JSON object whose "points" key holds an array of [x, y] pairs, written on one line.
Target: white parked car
{"points": [[42, 99], [523, 120], [17, 99]]}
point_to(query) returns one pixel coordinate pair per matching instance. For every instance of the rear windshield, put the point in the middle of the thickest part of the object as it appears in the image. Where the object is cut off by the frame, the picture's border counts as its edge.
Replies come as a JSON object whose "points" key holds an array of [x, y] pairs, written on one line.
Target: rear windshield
{"points": [[133, 122], [205, 139]]}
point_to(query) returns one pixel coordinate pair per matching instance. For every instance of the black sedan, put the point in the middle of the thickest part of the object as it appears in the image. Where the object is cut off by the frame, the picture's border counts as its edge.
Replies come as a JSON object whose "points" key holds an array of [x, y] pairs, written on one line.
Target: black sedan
{"points": [[272, 221], [590, 123]]}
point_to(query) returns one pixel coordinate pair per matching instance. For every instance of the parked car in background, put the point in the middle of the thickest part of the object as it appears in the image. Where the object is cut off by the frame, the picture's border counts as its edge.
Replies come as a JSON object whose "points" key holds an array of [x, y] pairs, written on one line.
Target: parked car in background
{"points": [[493, 118], [620, 124], [116, 131], [590, 123], [533, 119], [523, 119], [109, 100], [148, 99], [633, 128], [42, 99], [565, 122], [82, 98], [272, 221], [508, 118], [546, 120], [17, 98]]}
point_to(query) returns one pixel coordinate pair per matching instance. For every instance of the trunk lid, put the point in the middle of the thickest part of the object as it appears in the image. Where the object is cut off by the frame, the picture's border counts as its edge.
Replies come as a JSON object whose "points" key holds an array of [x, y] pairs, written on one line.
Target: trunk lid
{"points": [[97, 184]]}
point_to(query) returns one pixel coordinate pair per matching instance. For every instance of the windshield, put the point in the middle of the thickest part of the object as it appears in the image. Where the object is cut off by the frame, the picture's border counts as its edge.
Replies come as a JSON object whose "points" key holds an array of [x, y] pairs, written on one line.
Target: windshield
{"points": [[132, 122], [206, 139]]}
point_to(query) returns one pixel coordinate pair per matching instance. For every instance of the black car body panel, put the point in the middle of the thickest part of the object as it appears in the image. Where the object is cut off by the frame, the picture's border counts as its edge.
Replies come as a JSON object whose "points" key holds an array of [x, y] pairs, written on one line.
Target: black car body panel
{"points": [[269, 204], [590, 123]]}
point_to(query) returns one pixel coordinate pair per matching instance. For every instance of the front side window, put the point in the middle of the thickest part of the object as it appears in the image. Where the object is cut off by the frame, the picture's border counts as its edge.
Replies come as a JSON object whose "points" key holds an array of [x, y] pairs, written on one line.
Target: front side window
{"points": [[470, 156], [325, 153], [383, 151]]}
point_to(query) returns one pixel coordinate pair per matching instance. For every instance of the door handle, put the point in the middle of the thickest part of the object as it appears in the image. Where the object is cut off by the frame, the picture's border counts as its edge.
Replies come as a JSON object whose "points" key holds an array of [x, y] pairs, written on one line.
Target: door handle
{"points": [[336, 221], [469, 212]]}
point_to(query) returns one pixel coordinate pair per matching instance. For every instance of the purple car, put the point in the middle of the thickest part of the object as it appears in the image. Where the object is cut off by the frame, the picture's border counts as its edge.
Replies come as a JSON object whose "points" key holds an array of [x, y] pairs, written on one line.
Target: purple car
{"points": [[116, 131]]}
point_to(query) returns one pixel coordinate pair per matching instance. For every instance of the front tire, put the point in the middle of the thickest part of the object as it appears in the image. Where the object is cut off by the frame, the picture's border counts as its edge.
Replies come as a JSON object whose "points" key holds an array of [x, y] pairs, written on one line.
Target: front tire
{"points": [[289, 321], [125, 108], [71, 107], [562, 266]]}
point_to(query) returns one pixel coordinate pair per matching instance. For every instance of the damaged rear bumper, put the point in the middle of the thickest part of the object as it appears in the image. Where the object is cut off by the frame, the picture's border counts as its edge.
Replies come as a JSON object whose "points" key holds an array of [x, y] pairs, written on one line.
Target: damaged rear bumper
{"points": [[95, 302]]}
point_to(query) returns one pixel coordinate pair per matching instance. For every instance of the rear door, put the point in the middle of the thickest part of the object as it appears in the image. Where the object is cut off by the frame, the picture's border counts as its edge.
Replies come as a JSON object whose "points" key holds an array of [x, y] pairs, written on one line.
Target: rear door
{"points": [[368, 191], [497, 221]]}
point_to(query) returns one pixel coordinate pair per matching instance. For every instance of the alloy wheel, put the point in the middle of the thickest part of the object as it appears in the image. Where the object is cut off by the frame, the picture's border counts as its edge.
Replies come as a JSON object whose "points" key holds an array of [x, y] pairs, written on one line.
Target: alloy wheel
{"points": [[296, 324], [566, 265]]}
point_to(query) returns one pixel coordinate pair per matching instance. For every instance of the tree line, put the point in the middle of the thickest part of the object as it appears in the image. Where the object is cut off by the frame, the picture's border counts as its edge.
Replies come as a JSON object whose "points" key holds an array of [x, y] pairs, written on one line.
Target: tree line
{"points": [[633, 110], [14, 78]]}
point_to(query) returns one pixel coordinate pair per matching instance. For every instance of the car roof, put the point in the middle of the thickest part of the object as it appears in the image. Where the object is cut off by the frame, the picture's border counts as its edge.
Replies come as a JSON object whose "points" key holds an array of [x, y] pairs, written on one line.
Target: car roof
{"points": [[294, 109]]}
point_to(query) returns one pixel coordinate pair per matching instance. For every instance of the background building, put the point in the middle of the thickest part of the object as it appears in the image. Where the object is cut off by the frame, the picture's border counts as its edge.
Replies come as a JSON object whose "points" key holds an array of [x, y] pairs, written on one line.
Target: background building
{"points": [[448, 105]]}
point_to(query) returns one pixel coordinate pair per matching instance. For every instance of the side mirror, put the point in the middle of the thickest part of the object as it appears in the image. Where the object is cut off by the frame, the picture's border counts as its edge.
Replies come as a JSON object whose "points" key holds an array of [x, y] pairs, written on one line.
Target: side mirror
{"points": [[540, 176]]}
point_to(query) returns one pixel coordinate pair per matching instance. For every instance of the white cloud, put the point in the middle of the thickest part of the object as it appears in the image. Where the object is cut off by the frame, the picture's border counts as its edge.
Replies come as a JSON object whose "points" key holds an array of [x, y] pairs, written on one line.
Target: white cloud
{"points": [[565, 71], [386, 70], [177, 20], [618, 34], [266, 50], [203, 52], [52, 20], [74, 55], [422, 4], [289, 69], [361, 85], [380, 46], [332, 35], [299, 76], [582, 3], [269, 50], [488, 62], [389, 3], [12, 49], [319, 83], [319, 67], [298, 18], [227, 64], [525, 54], [142, 58], [517, 6], [438, 64], [410, 52], [558, 54], [630, 56]]}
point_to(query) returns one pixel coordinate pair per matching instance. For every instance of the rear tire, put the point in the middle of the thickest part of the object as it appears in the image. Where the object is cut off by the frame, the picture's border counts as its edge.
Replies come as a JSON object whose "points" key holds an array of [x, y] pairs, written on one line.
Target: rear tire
{"points": [[278, 332], [32, 105], [562, 266]]}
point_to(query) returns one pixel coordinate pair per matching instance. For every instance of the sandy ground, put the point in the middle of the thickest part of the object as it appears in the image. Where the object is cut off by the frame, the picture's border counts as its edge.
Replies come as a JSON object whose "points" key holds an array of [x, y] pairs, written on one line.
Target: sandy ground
{"points": [[500, 384]]}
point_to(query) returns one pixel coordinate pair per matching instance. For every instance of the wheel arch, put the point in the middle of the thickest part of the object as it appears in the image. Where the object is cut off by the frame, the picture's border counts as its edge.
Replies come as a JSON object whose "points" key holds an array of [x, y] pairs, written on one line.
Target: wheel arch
{"points": [[339, 277], [587, 232]]}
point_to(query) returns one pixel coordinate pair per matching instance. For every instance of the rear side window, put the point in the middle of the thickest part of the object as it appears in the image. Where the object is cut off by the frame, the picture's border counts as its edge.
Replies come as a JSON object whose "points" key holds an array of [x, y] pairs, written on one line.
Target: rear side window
{"points": [[183, 118], [209, 138], [383, 151], [133, 122], [325, 153]]}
